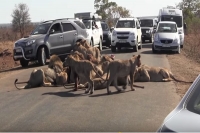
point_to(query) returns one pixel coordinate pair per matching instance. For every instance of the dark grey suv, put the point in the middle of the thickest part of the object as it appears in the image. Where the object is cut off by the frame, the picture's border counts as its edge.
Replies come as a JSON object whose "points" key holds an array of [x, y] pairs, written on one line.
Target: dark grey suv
{"points": [[106, 34], [50, 37]]}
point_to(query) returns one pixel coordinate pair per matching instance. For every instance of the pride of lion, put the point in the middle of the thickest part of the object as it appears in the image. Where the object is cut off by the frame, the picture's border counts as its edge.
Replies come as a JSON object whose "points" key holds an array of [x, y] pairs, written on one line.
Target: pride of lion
{"points": [[87, 68]]}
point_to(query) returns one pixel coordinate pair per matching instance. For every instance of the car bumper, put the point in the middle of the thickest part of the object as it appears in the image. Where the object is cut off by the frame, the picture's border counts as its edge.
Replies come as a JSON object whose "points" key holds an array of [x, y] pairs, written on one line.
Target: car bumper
{"points": [[23, 53], [160, 46], [123, 42]]}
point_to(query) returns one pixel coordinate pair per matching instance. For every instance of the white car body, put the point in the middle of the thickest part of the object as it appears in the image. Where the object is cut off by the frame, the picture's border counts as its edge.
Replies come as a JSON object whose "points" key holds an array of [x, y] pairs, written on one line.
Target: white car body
{"points": [[95, 35], [126, 37], [177, 15], [166, 40]]}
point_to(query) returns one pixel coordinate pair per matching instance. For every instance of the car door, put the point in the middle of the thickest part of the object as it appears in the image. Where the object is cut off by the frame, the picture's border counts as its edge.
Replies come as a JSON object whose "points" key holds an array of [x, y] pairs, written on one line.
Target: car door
{"points": [[55, 38], [139, 32], [69, 34]]}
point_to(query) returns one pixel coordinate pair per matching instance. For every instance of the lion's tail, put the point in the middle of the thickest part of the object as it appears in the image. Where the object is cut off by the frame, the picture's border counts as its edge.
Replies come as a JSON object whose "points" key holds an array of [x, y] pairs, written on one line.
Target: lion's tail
{"points": [[98, 71], [19, 88], [177, 80]]}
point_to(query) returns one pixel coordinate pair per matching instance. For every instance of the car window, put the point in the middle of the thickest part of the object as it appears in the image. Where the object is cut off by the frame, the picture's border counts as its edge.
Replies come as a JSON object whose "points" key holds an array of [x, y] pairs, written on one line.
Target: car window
{"points": [[125, 24], [193, 104], [41, 29], [80, 24], [68, 27], [167, 27], [57, 28], [104, 26]]}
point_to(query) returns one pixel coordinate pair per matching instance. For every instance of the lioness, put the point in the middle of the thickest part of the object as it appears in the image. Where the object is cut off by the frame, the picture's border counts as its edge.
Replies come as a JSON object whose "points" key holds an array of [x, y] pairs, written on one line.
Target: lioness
{"points": [[56, 63], [43, 77], [95, 51], [146, 73], [83, 68], [122, 68]]}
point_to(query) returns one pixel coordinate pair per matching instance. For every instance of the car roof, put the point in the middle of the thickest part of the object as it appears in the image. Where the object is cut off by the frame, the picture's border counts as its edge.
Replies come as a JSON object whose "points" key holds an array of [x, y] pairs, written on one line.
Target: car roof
{"points": [[133, 18]]}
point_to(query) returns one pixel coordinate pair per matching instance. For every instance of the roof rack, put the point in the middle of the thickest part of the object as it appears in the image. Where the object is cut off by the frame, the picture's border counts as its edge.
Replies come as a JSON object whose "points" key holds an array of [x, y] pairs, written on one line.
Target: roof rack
{"points": [[58, 19]]}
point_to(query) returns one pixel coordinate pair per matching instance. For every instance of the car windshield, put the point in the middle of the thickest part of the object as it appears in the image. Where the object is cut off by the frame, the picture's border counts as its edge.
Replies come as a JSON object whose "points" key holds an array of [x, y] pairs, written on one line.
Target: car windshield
{"points": [[104, 26], [167, 27], [87, 24], [41, 29], [177, 19], [146, 23], [193, 104], [125, 24]]}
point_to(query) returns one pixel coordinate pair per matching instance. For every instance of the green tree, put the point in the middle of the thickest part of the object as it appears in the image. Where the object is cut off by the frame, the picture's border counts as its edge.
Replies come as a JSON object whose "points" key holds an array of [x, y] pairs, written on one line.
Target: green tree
{"points": [[20, 18]]}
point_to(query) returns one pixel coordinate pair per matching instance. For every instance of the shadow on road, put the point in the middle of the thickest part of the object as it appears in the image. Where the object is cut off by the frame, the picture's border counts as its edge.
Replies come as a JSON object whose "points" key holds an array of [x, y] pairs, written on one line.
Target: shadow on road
{"points": [[159, 52], [122, 51], [65, 94], [105, 94], [21, 68]]}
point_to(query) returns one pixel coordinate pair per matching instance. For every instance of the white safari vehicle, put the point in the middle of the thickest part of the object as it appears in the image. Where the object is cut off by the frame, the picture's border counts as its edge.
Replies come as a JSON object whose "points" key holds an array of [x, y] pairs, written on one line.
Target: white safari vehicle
{"points": [[166, 37], [127, 33]]}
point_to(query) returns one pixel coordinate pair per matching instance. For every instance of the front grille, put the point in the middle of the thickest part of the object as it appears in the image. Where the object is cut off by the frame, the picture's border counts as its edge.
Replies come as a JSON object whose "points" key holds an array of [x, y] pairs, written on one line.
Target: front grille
{"points": [[166, 41], [22, 44], [123, 33], [122, 37], [105, 36]]}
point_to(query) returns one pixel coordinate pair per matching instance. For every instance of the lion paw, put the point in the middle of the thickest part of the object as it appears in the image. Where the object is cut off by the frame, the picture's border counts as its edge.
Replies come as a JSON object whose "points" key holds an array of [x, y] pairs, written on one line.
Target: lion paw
{"points": [[91, 92], [133, 89], [109, 92]]}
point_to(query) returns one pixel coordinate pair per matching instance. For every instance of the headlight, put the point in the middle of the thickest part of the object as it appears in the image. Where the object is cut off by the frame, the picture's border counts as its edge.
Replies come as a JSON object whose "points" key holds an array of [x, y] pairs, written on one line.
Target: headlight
{"points": [[114, 33], [176, 40], [30, 42], [132, 34]]}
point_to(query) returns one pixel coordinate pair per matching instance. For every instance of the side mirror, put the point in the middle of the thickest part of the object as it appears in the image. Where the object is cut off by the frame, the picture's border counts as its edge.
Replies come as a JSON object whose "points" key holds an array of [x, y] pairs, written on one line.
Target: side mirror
{"points": [[111, 29], [52, 31], [138, 27], [154, 27]]}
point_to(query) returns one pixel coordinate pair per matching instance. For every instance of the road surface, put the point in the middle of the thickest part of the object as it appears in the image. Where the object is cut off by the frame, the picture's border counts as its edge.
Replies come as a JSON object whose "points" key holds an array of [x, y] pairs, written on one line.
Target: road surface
{"points": [[52, 109]]}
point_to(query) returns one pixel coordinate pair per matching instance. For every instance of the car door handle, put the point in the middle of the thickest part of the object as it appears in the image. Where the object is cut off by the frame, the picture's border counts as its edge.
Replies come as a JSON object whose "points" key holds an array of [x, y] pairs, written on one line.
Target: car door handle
{"points": [[61, 36], [75, 34]]}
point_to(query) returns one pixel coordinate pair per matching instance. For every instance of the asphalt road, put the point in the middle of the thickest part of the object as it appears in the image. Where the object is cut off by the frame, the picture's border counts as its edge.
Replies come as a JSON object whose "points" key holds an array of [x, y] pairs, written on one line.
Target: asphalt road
{"points": [[51, 109]]}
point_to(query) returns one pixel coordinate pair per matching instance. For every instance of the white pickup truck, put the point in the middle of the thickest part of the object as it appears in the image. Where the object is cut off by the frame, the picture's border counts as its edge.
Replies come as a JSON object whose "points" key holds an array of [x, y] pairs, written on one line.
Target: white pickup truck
{"points": [[127, 33]]}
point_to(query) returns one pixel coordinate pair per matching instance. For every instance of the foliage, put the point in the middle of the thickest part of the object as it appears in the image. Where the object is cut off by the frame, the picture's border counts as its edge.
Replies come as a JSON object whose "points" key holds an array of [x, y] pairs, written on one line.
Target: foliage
{"points": [[110, 11], [21, 18]]}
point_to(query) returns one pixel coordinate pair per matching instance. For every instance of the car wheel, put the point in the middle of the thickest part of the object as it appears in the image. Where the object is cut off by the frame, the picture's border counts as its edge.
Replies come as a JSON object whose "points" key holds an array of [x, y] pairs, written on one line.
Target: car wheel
{"points": [[41, 56], [181, 46], [91, 43], [143, 40], [140, 47], [24, 63], [135, 48], [113, 48], [179, 50], [100, 45]]}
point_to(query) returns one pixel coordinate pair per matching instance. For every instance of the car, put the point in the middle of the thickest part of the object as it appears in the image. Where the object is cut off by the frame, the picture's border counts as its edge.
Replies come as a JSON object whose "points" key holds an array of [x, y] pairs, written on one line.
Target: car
{"points": [[127, 33], [186, 116], [49, 37], [147, 27], [106, 34], [166, 37], [93, 26]]}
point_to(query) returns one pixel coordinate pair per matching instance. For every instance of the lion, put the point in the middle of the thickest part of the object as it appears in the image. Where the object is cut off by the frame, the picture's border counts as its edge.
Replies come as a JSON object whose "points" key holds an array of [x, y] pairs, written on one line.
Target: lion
{"points": [[84, 68], [146, 73], [122, 68], [56, 63], [44, 77], [95, 50]]}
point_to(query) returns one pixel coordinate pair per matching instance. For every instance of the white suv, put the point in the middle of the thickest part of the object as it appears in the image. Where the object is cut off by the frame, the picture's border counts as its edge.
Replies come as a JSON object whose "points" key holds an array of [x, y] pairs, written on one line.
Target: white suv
{"points": [[127, 33], [166, 37], [95, 33]]}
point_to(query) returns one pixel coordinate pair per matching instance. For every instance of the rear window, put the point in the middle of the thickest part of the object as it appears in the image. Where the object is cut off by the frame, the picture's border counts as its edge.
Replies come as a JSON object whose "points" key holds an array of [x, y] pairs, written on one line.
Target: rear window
{"points": [[80, 24]]}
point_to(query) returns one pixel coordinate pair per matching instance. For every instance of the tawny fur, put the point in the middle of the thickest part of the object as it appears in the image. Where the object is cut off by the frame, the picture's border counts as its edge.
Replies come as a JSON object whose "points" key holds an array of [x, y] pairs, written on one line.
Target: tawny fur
{"points": [[83, 68], [56, 63], [146, 73], [43, 77], [122, 68]]}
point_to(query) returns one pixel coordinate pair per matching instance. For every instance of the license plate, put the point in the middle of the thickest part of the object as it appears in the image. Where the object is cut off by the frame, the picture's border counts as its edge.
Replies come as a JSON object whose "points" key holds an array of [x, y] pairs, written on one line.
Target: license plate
{"points": [[122, 41], [18, 50], [166, 45]]}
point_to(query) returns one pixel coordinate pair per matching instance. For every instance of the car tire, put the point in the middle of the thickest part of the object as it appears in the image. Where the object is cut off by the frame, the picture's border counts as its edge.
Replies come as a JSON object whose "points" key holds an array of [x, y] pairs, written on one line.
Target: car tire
{"points": [[113, 49], [143, 40], [24, 63], [41, 56], [135, 48], [181, 46], [100, 45], [140, 47], [91, 43]]}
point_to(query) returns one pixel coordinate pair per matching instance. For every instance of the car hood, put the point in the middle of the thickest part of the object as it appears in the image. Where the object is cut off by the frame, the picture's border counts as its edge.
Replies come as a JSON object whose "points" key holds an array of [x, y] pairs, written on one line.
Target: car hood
{"points": [[31, 37], [184, 121], [124, 29], [167, 35]]}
